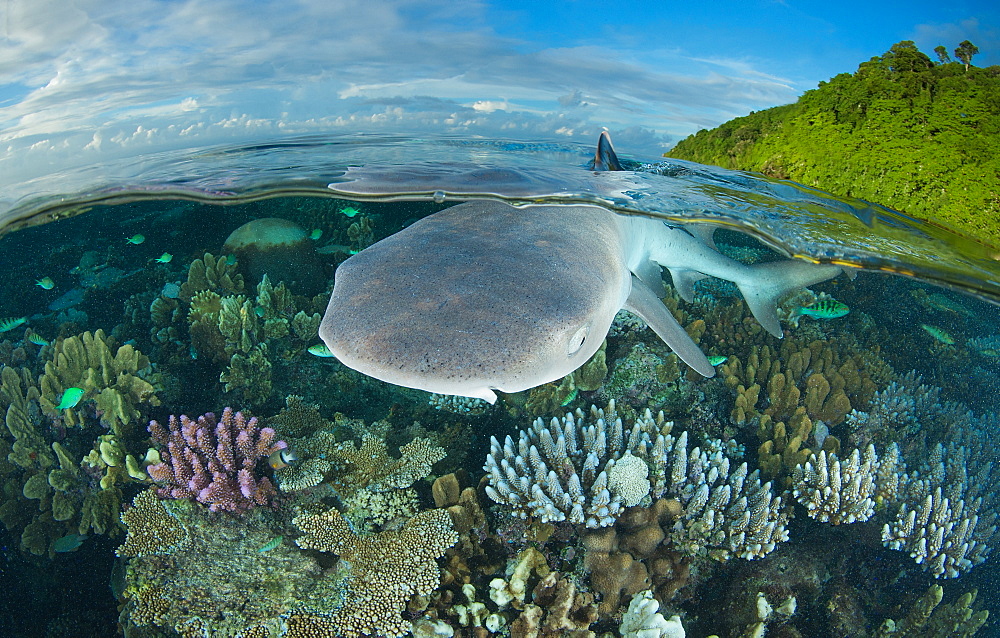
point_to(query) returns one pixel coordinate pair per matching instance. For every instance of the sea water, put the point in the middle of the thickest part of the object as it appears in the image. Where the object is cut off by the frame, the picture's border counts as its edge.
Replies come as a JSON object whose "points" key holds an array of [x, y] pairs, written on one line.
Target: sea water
{"points": [[908, 377]]}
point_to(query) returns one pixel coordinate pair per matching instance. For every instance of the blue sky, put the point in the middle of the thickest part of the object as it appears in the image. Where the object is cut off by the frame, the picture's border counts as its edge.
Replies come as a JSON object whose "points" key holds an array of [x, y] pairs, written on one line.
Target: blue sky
{"points": [[86, 81]]}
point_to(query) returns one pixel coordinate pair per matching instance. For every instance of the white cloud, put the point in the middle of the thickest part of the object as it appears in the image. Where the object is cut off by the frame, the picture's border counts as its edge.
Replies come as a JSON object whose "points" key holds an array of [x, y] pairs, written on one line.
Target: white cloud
{"points": [[86, 81]]}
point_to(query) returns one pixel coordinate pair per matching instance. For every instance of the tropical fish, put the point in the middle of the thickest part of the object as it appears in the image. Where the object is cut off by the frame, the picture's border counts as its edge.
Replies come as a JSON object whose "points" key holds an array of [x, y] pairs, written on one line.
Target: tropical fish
{"points": [[319, 350], [68, 543], [825, 309], [70, 397], [6, 325], [282, 458], [316, 234], [271, 544], [165, 258], [349, 211], [717, 360], [938, 334], [45, 283], [37, 339], [512, 298], [260, 312], [136, 239]]}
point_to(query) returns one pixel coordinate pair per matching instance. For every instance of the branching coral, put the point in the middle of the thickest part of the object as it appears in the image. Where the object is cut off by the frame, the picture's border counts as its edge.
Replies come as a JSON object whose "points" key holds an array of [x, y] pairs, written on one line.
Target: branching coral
{"points": [[837, 491], [569, 470], [214, 461]]}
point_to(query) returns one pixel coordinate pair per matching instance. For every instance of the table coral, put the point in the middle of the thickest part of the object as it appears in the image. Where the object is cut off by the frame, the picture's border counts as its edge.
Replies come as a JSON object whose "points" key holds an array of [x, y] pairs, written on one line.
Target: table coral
{"points": [[151, 528], [386, 569], [214, 460]]}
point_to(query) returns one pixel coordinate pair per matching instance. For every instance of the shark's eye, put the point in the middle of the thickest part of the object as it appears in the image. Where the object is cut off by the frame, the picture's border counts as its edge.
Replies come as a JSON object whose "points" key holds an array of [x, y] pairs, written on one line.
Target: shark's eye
{"points": [[577, 340]]}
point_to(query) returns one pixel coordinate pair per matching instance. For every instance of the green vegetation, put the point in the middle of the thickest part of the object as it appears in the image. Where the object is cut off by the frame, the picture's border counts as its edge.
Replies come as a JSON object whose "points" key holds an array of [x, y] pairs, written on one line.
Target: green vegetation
{"points": [[903, 131]]}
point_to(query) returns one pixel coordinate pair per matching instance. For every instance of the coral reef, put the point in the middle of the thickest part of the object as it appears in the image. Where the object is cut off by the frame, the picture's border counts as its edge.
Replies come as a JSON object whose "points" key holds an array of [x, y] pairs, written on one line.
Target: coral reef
{"points": [[569, 470], [386, 569], [928, 618], [214, 460], [152, 529], [643, 620], [835, 491], [113, 382]]}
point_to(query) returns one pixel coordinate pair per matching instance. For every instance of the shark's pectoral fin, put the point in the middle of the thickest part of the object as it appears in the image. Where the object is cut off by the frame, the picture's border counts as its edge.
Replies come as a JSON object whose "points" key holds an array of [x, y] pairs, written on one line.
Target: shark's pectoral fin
{"points": [[643, 302], [684, 281]]}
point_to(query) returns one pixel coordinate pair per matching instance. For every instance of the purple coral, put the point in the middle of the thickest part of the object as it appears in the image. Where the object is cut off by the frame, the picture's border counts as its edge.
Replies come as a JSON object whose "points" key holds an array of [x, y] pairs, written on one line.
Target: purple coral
{"points": [[214, 461]]}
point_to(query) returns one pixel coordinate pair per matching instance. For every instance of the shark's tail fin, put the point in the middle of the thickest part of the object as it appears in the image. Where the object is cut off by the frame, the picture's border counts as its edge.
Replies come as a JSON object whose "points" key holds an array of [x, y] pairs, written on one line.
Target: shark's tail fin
{"points": [[605, 158], [773, 280]]}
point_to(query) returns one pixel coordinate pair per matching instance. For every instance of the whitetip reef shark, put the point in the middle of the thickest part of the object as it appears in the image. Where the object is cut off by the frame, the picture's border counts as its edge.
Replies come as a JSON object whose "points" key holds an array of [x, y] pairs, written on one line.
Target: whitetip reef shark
{"points": [[484, 296]]}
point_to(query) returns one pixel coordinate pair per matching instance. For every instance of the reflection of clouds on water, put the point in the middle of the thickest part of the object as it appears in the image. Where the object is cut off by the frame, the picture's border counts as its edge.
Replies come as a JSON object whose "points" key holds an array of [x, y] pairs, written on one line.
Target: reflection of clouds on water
{"points": [[99, 80]]}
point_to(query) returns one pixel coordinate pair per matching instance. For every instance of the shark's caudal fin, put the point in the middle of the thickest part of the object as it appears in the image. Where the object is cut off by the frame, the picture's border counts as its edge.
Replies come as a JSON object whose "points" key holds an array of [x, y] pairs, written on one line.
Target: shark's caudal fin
{"points": [[605, 158], [773, 280], [643, 302]]}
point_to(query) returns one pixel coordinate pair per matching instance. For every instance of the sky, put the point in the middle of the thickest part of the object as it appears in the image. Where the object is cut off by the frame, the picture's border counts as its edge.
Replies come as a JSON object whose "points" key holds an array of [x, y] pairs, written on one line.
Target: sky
{"points": [[86, 81]]}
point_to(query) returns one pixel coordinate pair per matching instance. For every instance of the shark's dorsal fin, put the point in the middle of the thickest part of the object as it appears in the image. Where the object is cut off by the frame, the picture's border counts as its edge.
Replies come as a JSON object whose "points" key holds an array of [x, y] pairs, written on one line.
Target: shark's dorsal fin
{"points": [[647, 305], [605, 158]]}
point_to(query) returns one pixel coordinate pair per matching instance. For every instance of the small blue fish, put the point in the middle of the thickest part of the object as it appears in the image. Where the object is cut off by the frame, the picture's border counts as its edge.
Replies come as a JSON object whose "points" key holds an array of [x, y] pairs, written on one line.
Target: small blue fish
{"points": [[349, 211], [717, 360], [70, 397], [6, 325], [45, 283], [164, 258], [136, 239], [826, 309], [315, 234], [320, 350]]}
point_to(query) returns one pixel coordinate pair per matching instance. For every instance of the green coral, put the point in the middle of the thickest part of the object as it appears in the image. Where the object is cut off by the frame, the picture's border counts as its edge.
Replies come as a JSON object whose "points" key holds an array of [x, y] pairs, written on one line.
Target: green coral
{"points": [[928, 618], [111, 381], [249, 375]]}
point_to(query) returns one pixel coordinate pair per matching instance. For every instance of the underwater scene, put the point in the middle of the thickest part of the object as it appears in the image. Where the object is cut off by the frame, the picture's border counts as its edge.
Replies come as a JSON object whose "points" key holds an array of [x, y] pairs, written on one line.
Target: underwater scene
{"points": [[187, 453]]}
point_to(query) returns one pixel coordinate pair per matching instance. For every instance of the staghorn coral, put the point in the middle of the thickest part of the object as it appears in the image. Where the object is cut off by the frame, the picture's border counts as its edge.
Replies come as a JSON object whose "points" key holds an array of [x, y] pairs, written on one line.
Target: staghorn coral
{"points": [[113, 382], [214, 461], [386, 569], [835, 491], [569, 469]]}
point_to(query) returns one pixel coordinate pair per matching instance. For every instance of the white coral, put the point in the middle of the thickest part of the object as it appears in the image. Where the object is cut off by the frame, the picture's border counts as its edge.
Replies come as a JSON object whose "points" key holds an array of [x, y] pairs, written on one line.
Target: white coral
{"points": [[642, 620]]}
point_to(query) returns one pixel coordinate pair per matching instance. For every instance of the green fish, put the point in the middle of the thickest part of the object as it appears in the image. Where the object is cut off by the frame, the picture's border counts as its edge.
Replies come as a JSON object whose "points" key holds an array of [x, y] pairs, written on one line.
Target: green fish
{"points": [[826, 309], [45, 283], [315, 234], [70, 398], [349, 211], [269, 545], [37, 339], [136, 239], [938, 334], [68, 543], [164, 258], [260, 312], [6, 325], [570, 398], [320, 350], [717, 360]]}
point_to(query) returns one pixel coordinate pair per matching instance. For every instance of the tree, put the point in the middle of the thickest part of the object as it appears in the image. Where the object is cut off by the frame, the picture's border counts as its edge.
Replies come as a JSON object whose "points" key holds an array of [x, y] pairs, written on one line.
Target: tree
{"points": [[965, 51], [942, 54]]}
